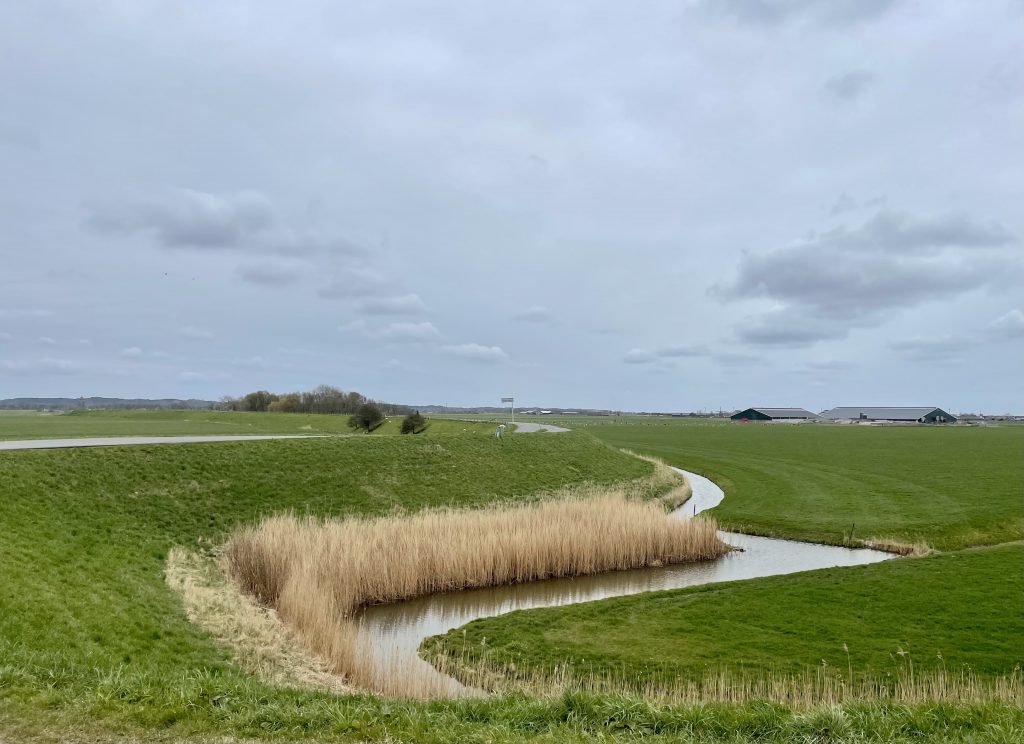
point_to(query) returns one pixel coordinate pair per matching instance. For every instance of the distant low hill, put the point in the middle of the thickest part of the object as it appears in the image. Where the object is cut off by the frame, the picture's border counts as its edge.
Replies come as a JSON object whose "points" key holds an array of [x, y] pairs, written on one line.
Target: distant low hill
{"points": [[65, 404]]}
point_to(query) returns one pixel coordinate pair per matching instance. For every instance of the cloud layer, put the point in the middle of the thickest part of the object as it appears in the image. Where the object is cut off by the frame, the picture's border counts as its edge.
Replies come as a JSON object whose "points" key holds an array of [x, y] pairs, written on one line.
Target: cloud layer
{"points": [[708, 204]]}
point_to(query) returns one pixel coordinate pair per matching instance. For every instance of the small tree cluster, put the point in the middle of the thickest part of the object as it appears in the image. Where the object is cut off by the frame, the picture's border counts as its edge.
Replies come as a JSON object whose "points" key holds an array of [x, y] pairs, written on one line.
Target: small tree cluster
{"points": [[414, 423], [321, 399], [367, 417]]}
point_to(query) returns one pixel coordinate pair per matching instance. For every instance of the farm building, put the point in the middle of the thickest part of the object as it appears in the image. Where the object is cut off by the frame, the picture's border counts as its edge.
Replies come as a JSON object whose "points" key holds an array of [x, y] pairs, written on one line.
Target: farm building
{"points": [[774, 414], [921, 415]]}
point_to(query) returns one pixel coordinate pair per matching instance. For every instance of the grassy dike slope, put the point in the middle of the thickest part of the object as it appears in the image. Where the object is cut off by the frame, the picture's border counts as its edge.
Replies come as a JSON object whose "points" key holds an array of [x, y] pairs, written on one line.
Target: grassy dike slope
{"points": [[88, 630], [34, 425], [951, 487]]}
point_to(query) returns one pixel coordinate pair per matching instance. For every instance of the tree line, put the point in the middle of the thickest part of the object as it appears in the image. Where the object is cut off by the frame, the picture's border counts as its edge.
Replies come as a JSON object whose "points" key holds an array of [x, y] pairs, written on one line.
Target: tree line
{"points": [[364, 413], [321, 399]]}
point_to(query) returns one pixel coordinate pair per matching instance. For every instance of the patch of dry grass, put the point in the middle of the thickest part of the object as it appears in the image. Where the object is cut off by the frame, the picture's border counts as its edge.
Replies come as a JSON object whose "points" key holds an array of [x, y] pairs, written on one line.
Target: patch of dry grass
{"points": [[812, 687], [259, 641], [316, 573]]}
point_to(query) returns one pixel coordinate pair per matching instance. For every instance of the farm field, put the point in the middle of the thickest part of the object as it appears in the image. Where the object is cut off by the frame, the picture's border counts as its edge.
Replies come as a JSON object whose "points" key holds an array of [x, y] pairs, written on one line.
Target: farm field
{"points": [[947, 488], [950, 487], [94, 646], [35, 425], [957, 611]]}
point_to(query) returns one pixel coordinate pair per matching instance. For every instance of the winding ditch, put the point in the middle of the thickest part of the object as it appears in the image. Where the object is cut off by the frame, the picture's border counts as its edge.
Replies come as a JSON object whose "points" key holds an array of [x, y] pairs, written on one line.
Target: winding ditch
{"points": [[390, 635]]}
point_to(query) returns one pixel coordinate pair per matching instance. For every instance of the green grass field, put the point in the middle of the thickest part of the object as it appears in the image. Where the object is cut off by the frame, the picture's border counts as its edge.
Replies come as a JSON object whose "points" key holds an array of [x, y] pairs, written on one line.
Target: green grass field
{"points": [[35, 425], [90, 632], [94, 646], [958, 610], [950, 487]]}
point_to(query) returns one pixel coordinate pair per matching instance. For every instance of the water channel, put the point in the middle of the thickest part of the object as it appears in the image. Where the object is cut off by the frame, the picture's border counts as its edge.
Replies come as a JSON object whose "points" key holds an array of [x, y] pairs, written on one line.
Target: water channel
{"points": [[391, 634]]}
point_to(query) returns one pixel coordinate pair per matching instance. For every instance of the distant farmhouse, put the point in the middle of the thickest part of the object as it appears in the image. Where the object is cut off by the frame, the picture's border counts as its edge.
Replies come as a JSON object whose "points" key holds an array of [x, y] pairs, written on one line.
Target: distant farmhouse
{"points": [[923, 415], [790, 415]]}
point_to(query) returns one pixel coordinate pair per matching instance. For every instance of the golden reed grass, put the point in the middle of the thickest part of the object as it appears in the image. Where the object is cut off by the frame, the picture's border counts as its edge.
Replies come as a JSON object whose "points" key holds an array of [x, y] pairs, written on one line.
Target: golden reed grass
{"points": [[316, 573], [811, 687]]}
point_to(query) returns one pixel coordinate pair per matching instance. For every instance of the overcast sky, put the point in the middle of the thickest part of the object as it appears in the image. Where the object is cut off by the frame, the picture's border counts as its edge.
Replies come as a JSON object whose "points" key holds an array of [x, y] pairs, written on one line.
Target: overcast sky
{"points": [[663, 206]]}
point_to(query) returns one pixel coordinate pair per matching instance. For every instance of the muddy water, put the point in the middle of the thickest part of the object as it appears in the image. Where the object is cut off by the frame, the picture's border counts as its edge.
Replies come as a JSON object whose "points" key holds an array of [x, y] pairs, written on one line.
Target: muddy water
{"points": [[391, 634]]}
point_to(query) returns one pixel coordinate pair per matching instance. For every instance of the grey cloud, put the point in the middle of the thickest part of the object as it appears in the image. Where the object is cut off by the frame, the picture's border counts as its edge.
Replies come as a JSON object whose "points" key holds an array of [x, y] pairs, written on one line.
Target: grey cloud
{"points": [[245, 220], [1008, 326], [790, 329], [46, 341], [4, 336], [651, 356], [682, 351], [639, 356], [409, 332], [356, 284], [850, 85], [847, 278], [132, 352], [846, 203], [393, 332], [408, 304], [476, 352], [776, 12], [270, 274], [535, 314], [185, 218]]}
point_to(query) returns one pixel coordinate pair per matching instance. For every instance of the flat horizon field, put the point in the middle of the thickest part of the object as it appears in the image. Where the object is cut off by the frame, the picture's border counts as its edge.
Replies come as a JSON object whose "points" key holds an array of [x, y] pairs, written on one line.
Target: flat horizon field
{"points": [[95, 646], [951, 488]]}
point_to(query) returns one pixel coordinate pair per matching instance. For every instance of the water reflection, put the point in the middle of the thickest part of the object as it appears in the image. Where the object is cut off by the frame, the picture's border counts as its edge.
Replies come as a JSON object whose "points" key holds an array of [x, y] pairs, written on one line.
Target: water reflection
{"points": [[391, 634]]}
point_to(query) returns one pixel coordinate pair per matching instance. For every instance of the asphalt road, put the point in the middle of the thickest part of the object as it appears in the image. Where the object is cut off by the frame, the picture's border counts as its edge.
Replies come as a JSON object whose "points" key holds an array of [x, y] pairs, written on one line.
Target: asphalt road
{"points": [[24, 444], [523, 427]]}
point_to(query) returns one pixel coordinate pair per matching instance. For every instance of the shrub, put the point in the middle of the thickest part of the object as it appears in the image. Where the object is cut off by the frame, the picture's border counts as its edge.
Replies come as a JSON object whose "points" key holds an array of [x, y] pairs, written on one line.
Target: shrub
{"points": [[367, 417], [414, 423]]}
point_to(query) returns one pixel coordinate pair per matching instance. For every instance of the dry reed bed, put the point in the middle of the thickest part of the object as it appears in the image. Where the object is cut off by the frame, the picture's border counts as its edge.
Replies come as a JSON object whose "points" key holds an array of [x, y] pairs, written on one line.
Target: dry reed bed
{"points": [[318, 572], [812, 687]]}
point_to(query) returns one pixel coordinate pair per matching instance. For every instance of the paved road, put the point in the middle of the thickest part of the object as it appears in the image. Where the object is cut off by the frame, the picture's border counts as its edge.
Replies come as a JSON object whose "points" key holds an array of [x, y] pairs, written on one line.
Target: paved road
{"points": [[528, 428], [23, 444]]}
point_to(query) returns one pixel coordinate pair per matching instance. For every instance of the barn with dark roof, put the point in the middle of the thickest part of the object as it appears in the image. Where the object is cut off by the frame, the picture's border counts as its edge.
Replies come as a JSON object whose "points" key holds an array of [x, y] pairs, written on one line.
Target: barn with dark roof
{"points": [[902, 415], [774, 414]]}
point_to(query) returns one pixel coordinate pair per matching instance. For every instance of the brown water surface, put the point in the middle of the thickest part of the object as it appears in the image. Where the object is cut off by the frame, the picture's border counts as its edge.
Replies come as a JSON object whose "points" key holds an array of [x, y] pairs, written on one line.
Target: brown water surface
{"points": [[390, 635]]}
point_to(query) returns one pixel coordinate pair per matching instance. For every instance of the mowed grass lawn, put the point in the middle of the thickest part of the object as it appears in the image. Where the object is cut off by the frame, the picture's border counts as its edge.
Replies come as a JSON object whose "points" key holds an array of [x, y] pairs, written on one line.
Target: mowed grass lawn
{"points": [[958, 611], [36, 425], [948, 486]]}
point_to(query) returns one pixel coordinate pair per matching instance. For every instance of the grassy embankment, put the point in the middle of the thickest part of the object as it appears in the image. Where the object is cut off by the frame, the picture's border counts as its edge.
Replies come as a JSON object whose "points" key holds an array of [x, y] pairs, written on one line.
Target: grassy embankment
{"points": [[93, 642], [35, 425], [946, 487], [93, 646]]}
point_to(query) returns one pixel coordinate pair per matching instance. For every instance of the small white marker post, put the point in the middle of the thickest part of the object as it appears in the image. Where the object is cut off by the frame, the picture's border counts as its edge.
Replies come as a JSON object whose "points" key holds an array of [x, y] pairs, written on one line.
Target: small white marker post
{"points": [[512, 407]]}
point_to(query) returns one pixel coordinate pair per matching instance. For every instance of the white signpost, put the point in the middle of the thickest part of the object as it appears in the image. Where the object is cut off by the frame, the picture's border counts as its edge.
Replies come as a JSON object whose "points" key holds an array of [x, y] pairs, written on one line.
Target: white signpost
{"points": [[512, 407]]}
